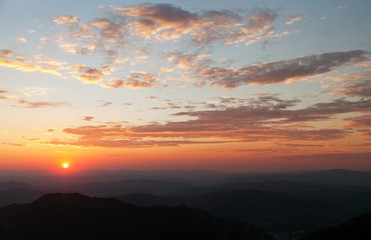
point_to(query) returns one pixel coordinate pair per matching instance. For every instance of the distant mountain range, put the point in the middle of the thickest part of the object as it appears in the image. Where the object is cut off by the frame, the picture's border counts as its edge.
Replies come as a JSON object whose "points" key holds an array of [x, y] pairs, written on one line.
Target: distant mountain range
{"points": [[278, 203], [274, 212], [76, 216], [195, 178]]}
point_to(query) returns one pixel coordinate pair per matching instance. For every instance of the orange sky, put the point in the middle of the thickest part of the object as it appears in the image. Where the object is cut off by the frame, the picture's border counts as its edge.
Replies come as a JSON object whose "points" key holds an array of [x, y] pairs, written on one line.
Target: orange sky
{"points": [[185, 85]]}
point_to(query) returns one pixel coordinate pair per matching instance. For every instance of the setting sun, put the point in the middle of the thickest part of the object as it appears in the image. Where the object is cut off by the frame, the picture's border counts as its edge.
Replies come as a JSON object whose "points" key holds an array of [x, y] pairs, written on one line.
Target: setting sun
{"points": [[65, 165]]}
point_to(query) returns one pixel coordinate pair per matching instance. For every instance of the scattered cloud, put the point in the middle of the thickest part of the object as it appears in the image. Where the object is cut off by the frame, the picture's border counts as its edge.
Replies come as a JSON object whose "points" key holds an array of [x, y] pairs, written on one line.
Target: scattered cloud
{"points": [[89, 74], [88, 118], [125, 28], [341, 6], [2, 91], [167, 22], [105, 103], [134, 80], [29, 104], [65, 19], [295, 18], [9, 59], [21, 40], [34, 91]]}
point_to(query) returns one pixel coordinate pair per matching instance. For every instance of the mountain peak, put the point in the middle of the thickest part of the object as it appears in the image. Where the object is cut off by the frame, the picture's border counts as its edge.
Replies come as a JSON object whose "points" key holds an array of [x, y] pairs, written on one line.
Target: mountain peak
{"points": [[62, 198]]}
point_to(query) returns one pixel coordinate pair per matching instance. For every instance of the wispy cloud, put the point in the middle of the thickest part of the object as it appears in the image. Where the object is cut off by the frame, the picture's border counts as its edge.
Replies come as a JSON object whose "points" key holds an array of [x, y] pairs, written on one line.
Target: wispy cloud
{"points": [[351, 84], [2, 91], [13, 144], [34, 91], [9, 59], [281, 71], [29, 104], [88, 118], [21, 40], [295, 18], [268, 118], [105, 103], [363, 121], [134, 80]]}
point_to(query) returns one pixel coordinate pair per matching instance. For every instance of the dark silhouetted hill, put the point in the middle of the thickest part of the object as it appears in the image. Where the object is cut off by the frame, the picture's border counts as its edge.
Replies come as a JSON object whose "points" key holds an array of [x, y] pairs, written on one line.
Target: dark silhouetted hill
{"points": [[358, 228], [275, 212], [76, 216], [147, 200]]}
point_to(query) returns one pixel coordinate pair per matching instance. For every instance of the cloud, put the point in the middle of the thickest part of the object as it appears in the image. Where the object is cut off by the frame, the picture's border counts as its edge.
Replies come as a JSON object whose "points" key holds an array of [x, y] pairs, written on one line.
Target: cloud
{"points": [[354, 84], [10, 60], [341, 6], [65, 19], [281, 71], [101, 23], [2, 91], [105, 103], [13, 144], [363, 121], [362, 124], [28, 104], [21, 40], [134, 80], [34, 91], [167, 22], [125, 27], [267, 118], [132, 143], [88, 118], [302, 145], [325, 110], [362, 88], [89, 74], [78, 38], [295, 18]]}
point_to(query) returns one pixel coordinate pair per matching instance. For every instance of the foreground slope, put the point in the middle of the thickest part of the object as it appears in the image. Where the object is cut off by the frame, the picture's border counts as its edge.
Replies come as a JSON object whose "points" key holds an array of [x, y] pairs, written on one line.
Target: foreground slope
{"points": [[356, 228], [73, 215]]}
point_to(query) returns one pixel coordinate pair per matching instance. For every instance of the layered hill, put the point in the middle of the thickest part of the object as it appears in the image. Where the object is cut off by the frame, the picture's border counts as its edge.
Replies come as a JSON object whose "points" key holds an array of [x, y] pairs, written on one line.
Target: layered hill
{"points": [[76, 216]]}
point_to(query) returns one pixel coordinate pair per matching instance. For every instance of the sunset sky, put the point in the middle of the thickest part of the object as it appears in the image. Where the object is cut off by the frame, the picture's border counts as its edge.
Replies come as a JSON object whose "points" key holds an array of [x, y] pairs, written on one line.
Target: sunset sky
{"points": [[237, 85]]}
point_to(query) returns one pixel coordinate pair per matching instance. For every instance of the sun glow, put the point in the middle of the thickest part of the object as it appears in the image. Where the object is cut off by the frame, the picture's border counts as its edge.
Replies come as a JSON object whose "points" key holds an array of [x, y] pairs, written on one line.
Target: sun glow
{"points": [[65, 165]]}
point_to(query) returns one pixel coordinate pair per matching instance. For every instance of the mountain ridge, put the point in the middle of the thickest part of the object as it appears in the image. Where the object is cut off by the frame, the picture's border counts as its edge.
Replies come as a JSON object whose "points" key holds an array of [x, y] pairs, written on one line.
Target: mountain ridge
{"points": [[74, 215]]}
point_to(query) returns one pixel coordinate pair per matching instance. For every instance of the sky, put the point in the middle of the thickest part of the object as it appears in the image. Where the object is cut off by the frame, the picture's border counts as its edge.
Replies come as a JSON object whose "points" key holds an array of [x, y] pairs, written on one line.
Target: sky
{"points": [[237, 85]]}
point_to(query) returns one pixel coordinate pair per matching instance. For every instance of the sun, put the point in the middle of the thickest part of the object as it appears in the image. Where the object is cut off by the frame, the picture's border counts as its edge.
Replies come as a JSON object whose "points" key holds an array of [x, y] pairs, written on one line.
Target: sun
{"points": [[65, 165]]}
